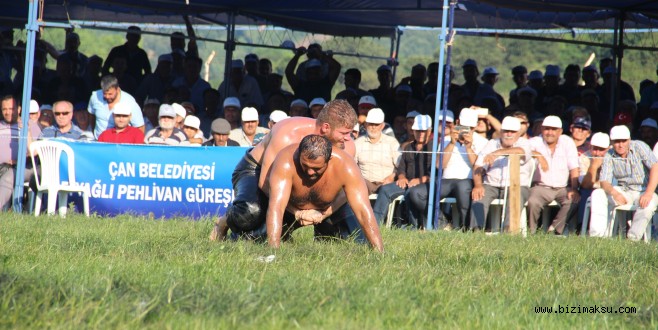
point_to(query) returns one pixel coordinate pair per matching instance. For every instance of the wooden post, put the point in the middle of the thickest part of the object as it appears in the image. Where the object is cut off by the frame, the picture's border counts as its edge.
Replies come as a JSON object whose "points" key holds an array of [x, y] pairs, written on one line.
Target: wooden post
{"points": [[514, 196]]}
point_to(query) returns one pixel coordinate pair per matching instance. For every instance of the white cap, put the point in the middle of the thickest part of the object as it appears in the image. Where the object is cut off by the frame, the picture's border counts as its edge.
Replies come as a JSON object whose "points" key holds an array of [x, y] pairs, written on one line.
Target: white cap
{"points": [[375, 116], [552, 121], [356, 127], [645, 123], [278, 115], [46, 107], [166, 110], [367, 99], [299, 102], [468, 117], [180, 110], [34, 106], [600, 140], [121, 109], [192, 121], [620, 132], [231, 102], [422, 123], [450, 117], [317, 101], [511, 124], [249, 114]]}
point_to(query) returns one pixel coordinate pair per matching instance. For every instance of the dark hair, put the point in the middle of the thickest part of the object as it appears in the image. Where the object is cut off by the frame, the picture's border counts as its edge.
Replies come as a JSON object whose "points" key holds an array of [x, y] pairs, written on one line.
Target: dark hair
{"points": [[338, 114], [353, 72], [315, 146]]}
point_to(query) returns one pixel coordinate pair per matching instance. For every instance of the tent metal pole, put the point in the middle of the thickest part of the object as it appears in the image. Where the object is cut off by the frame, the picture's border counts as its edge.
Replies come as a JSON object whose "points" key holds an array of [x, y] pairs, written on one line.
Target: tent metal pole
{"points": [[620, 55], [396, 54], [229, 46], [613, 82], [32, 27], [441, 105]]}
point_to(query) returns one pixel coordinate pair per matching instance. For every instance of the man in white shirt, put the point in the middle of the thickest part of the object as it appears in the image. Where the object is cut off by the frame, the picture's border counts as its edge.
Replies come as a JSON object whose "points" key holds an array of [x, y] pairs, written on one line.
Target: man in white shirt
{"points": [[377, 154], [250, 133]]}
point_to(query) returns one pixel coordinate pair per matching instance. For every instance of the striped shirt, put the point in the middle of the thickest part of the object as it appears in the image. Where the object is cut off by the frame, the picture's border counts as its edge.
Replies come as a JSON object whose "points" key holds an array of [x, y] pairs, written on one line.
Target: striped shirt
{"points": [[632, 172]]}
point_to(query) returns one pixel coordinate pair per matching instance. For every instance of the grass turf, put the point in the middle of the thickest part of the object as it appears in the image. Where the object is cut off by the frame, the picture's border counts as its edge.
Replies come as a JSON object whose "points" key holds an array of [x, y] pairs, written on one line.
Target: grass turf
{"points": [[132, 272]]}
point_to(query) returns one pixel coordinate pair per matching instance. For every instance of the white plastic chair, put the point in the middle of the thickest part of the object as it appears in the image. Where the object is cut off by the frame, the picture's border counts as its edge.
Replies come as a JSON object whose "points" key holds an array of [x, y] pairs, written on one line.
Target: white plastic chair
{"points": [[612, 222], [48, 180]]}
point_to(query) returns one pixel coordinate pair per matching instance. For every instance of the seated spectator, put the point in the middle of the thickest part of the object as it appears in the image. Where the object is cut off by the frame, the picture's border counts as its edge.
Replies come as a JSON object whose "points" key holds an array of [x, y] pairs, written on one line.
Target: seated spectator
{"points": [[250, 133], [181, 113], [366, 103], [220, 129], [557, 183], [408, 137], [64, 127], [191, 80], [275, 117], [192, 131], [105, 99], [413, 169], [580, 132], [377, 154], [316, 106], [460, 152], [35, 113], [122, 132], [634, 167], [649, 132], [150, 113], [9, 137], [166, 133], [491, 172], [298, 108], [488, 126], [46, 118], [231, 111], [315, 84], [242, 86], [590, 173]]}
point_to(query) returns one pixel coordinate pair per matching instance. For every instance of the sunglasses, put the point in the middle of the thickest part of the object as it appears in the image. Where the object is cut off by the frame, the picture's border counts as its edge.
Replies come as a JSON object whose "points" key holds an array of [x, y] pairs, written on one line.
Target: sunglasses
{"points": [[61, 113]]}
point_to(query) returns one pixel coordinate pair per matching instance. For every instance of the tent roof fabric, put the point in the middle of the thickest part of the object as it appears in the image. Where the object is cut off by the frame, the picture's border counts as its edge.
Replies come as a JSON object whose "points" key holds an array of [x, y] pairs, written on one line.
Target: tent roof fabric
{"points": [[350, 17]]}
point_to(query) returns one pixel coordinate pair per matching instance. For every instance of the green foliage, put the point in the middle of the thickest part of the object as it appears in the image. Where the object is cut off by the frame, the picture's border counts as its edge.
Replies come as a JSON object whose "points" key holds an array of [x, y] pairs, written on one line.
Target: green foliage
{"points": [[131, 272]]}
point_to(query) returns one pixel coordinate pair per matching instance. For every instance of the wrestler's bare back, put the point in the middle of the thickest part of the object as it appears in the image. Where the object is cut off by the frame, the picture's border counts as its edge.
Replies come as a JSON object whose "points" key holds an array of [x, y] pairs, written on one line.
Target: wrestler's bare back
{"points": [[284, 133]]}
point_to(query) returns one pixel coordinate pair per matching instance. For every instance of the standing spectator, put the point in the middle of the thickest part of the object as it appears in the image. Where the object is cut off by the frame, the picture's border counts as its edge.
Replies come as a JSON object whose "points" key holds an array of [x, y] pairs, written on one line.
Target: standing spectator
{"points": [[314, 84], [155, 84], [557, 183], [353, 80], [520, 78], [635, 168], [251, 63], [250, 133], [220, 129], [105, 99], [78, 59], [122, 132], [275, 117], [570, 89], [314, 52], [166, 133], [384, 93], [491, 172], [92, 76], [377, 154], [137, 61], [413, 169], [191, 80], [242, 86]]}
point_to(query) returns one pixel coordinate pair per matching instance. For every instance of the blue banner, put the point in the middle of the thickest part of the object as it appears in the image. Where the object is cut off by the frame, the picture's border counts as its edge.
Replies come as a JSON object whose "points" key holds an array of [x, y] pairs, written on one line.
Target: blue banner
{"points": [[157, 181]]}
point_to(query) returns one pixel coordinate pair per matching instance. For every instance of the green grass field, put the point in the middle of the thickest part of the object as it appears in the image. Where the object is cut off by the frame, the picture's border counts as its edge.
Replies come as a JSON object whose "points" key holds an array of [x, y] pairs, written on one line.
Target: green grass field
{"points": [[130, 272]]}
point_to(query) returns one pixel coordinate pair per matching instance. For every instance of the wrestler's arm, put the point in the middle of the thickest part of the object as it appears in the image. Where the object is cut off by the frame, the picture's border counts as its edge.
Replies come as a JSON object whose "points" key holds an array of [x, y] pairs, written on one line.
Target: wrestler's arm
{"points": [[280, 187], [357, 195]]}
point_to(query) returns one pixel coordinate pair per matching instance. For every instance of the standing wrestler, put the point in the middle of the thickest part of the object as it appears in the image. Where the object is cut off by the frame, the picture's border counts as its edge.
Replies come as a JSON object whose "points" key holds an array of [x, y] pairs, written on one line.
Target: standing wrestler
{"points": [[245, 216], [309, 176]]}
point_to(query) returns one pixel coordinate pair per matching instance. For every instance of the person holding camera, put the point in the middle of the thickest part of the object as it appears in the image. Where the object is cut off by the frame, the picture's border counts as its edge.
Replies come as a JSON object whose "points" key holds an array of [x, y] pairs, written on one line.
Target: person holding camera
{"points": [[314, 84], [459, 154]]}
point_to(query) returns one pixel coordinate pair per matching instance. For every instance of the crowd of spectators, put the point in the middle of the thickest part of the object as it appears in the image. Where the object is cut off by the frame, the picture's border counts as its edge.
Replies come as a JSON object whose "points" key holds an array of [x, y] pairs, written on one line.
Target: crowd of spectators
{"points": [[556, 120]]}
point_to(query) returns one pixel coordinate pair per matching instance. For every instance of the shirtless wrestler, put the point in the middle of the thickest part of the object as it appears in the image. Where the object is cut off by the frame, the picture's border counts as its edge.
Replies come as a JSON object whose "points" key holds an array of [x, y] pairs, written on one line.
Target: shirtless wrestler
{"points": [[335, 121], [309, 176]]}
